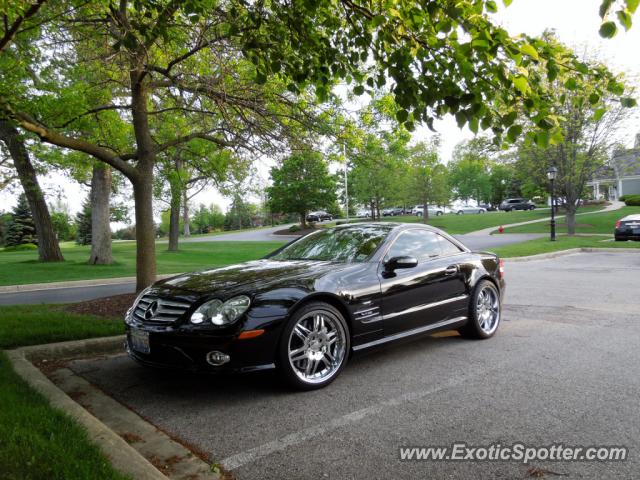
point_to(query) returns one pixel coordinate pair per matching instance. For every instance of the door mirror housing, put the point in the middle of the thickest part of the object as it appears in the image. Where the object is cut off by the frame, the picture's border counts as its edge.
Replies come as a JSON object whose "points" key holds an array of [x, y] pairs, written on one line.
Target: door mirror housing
{"points": [[404, 261]]}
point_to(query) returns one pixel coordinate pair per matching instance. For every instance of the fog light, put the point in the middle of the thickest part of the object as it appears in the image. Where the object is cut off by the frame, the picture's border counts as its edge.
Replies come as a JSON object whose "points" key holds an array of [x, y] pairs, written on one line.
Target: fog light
{"points": [[217, 358]]}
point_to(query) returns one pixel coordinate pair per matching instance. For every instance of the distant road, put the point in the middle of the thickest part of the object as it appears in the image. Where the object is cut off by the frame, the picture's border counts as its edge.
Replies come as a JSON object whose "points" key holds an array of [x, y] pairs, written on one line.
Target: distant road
{"points": [[79, 294]]}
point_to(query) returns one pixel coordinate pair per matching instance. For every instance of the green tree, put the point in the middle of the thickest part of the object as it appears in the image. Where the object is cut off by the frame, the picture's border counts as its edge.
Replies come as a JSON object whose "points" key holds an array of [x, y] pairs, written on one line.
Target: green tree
{"points": [[83, 224], [469, 171], [301, 184], [240, 214], [429, 176], [21, 229]]}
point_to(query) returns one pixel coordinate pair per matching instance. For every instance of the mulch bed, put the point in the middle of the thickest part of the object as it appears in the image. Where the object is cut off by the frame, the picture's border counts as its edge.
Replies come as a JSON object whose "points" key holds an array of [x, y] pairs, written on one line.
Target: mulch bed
{"points": [[110, 307]]}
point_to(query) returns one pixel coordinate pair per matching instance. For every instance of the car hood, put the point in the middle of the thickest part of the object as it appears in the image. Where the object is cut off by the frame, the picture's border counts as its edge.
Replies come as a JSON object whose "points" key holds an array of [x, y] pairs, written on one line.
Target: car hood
{"points": [[251, 277]]}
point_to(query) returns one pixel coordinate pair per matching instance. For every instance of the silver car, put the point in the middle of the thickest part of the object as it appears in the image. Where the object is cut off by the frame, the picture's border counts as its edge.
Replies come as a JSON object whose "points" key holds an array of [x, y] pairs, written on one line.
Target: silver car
{"points": [[462, 209]]}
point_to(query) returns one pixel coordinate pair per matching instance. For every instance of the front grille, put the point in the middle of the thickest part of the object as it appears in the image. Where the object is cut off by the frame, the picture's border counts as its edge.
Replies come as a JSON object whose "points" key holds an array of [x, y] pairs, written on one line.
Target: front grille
{"points": [[164, 310]]}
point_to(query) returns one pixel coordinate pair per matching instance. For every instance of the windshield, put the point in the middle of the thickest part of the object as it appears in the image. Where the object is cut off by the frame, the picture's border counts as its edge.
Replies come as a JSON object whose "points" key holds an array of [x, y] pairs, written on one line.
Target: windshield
{"points": [[345, 245]]}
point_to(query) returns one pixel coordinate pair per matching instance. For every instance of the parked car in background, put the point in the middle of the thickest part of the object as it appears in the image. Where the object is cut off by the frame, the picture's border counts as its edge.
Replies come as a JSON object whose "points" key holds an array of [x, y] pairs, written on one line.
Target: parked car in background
{"points": [[319, 216], [363, 213], [418, 210], [517, 204], [488, 208], [392, 212], [628, 228], [462, 209]]}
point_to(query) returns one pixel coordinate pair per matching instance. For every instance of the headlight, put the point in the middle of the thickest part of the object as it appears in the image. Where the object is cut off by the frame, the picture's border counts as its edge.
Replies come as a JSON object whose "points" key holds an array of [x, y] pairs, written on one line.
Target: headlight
{"points": [[219, 313]]}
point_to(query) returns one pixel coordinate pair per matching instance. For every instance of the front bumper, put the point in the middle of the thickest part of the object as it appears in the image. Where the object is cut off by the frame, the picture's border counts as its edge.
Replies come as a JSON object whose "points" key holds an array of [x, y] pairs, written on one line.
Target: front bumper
{"points": [[185, 348]]}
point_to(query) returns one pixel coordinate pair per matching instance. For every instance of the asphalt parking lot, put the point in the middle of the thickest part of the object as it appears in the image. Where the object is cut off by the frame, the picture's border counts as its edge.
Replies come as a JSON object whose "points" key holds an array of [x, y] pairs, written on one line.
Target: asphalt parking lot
{"points": [[563, 368]]}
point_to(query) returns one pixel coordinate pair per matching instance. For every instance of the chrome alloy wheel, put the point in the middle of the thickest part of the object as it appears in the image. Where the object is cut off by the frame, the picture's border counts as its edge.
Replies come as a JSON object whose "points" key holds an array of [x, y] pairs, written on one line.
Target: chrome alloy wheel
{"points": [[488, 310], [317, 347]]}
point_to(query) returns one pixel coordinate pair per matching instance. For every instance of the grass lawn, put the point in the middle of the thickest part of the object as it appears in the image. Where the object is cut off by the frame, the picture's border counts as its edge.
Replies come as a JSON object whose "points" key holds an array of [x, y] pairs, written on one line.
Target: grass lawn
{"points": [[37, 441], [17, 268], [591, 223], [563, 242], [460, 224]]}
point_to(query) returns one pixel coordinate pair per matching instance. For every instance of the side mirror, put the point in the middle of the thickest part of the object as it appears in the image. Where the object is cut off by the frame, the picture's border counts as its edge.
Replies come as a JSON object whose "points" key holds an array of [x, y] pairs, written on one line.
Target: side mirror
{"points": [[400, 262]]}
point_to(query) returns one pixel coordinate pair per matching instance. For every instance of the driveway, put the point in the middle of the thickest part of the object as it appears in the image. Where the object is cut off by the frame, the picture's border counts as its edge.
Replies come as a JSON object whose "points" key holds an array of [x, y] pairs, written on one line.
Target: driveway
{"points": [[562, 369], [255, 235]]}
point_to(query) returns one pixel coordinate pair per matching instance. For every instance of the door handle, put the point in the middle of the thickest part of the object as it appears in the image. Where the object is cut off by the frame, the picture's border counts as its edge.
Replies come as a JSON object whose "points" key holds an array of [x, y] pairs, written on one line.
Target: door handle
{"points": [[451, 270]]}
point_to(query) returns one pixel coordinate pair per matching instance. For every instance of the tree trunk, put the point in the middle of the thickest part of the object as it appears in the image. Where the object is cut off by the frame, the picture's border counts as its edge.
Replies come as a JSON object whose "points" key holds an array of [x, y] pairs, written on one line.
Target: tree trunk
{"points": [[425, 210], [174, 219], [185, 213], [100, 216], [303, 220], [145, 232], [570, 218], [143, 182], [48, 247]]}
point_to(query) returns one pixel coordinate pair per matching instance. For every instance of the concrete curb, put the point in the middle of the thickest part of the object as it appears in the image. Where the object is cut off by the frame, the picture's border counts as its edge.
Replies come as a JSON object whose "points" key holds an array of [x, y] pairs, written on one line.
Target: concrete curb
{"points": [[571, 251], [122, 456], [32, 287]]}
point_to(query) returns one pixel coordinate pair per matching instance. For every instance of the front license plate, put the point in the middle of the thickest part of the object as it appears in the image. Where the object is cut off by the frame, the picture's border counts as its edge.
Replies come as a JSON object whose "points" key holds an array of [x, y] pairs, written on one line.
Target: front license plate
{"points": [[139, 340]]}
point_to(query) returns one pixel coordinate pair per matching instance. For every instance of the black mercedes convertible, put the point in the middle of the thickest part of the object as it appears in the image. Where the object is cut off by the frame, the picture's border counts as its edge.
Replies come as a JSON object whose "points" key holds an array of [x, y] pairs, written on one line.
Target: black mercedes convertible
{"points": [[308, 306]]}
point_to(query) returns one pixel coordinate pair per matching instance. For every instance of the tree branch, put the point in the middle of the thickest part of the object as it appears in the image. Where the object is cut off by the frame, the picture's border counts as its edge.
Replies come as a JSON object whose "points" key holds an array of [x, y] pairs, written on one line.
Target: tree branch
{"points": [[46, 135]]}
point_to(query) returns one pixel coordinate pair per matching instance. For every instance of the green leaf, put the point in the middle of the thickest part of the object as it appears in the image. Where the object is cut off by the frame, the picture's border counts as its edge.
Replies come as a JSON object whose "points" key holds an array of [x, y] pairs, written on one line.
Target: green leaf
{"points": [[608, 29], [571, 84], [513, 133], [628, 102], [491, 6], [473, 125], [542, 139], [625, 18], [358, 89], [594, 98], [529, 50], [632, 5], [480, 43], [521, 84], [509, 118], [402, 115], [598, 114], [616, 88], [507, 2], [461, 119], [604, 7]]}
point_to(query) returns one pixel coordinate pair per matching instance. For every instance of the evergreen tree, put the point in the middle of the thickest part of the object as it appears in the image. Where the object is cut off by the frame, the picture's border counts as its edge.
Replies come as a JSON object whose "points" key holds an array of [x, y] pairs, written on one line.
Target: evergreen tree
{"points": [[21, 229], [83, 224]]}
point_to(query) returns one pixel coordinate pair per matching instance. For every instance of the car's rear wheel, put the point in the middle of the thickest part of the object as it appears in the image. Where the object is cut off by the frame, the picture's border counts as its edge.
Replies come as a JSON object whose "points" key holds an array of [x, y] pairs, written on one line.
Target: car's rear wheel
{"points": [[484, 311], [438, 213], [460, 212], [314, 346]]}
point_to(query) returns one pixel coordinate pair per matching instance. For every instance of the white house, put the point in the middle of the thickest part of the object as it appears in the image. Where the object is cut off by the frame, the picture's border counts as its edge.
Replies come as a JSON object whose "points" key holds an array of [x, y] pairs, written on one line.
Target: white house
{"points": [[621, 176]]}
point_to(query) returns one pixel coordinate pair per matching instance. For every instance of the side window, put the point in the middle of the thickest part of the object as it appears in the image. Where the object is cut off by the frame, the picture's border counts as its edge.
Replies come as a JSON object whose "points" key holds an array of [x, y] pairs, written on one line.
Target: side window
{"points": [[447, 247], [421, 244]]}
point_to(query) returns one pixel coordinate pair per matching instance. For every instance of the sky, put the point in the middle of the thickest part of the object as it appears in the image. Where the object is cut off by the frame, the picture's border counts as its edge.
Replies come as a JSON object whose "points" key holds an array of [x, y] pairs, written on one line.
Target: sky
{"points": [[576, 23]]}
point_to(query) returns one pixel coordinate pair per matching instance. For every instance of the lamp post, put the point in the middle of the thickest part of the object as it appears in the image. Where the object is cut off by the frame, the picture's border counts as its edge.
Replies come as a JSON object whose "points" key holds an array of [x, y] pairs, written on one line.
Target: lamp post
{"points": [[552, 173]]}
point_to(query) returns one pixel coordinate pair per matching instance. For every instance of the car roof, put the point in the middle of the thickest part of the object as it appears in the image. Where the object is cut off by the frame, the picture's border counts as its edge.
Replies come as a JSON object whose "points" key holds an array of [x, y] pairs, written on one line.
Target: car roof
{"points": [[631, 217]]}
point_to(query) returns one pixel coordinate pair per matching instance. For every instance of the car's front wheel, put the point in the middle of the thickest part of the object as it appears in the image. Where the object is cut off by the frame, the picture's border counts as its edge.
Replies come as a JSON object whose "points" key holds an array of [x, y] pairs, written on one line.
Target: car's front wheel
{"points": [[460, 212], [314, 346], [484, 311]]}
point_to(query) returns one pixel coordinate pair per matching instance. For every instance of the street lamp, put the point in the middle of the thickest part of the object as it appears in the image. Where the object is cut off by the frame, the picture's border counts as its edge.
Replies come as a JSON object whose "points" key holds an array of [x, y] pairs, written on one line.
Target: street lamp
{"points": [[552, 173]]}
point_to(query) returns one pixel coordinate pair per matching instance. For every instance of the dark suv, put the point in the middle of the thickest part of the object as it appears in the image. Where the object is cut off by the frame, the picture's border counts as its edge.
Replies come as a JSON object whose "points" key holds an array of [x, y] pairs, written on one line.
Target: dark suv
{"points": [[517, 204]]}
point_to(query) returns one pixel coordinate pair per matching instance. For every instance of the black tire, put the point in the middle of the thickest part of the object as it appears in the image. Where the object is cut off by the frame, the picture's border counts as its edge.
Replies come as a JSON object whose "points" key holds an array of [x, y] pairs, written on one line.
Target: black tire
{"points": [[284, 365], [472, 328], [460, 212]]}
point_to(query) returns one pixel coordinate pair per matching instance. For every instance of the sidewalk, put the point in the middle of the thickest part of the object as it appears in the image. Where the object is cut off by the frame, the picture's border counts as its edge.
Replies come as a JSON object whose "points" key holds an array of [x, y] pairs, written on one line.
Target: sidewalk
{"points": [[615, 205]]}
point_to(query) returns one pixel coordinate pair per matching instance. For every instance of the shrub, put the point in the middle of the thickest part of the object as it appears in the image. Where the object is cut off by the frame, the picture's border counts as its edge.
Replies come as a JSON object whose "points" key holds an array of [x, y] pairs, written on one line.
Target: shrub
{"points": [[632, 200], [294, 228], [21, 247], [622, 198]]}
